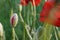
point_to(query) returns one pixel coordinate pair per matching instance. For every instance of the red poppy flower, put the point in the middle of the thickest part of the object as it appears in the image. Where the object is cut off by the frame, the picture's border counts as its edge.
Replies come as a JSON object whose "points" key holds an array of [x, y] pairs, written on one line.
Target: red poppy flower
{"points": [[53, 16], [57, 23], [24, 2], [57, 17], [45, 11], [35, 2], [49, 4]]}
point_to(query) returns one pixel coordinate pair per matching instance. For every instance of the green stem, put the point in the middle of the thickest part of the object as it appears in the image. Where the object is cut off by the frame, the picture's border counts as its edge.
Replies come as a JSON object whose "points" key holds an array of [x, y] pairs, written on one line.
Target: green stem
{"points": [[34, 21], [28, 16], [24, 34], [25, 26], [13, 34], [28, 32], [22, 20], [55, 33], [0, 38], [45, 35]]}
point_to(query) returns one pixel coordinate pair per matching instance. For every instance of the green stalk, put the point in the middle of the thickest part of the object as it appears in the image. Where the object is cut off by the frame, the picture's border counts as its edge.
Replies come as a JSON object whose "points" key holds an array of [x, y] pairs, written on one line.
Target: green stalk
{"points": [[25, 28], [34, 20], [46, 32], [55, 33], [1, 38], [22, 20], [24, 34], [28, 17], [13, 33], [31, 14]]}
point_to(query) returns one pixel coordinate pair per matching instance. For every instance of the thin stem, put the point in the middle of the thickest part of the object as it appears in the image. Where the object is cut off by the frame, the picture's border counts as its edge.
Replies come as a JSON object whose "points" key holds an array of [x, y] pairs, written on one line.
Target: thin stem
{"points": [[24, 34], [1, 38], [13, 34], [22, 20], [28, 15], [11, 11], [25, 26], [4, 38], [16, 36], [44, 32], [28, 32], [34, 22], [31, 14], [55, 34]]}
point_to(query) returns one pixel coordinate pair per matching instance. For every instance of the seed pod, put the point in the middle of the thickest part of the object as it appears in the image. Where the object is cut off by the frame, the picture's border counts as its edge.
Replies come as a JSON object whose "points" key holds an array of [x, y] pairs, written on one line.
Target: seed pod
{"points": [[14, 19], [1, 30]]}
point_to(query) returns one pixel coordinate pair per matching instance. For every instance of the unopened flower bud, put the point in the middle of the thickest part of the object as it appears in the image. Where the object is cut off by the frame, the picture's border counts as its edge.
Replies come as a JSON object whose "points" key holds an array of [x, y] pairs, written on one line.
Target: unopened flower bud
{"points": [[14, 19], [20, 7], [1, 30]]}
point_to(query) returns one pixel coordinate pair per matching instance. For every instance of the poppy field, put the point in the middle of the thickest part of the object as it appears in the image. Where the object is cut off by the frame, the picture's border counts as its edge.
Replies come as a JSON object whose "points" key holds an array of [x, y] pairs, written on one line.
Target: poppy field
{"points": [[29, 19]]}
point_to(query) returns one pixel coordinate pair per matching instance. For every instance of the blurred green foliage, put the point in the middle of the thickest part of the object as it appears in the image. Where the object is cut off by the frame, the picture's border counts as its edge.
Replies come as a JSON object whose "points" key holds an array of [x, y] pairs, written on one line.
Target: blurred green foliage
{"points": [[5, 13]]}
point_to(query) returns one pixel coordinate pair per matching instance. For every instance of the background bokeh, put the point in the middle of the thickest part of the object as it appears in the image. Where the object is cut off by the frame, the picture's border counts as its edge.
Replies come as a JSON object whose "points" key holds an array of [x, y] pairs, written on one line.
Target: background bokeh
{"points": [[5, 13]]}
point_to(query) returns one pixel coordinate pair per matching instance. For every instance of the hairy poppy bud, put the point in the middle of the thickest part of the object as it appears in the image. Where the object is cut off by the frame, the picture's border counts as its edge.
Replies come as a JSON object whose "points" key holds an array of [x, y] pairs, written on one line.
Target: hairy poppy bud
{"points": [[1, 29], [14, 19]]}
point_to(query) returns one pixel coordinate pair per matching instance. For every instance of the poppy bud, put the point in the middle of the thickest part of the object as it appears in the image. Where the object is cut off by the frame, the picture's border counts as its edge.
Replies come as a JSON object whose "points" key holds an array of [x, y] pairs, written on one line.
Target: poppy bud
{"points": [[20, 7], [1, 30], [14, 19]]}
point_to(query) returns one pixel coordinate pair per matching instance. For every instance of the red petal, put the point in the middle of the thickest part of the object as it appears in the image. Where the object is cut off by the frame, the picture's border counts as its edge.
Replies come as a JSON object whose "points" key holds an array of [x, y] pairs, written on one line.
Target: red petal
{"points": [[57, 17], [12, 20], [57, 23], [24, 2], [42, 19], [37, 2], [46, 9]]}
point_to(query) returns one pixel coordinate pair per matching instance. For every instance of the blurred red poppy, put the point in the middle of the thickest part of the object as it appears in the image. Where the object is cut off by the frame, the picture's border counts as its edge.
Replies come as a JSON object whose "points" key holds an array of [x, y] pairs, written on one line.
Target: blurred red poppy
{"points": [[25, 2], [45, 10], [57, 16], [35, 2], [51, 15]]}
